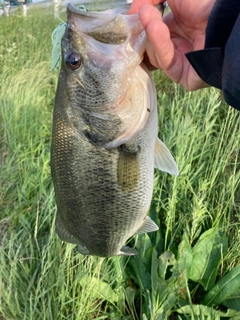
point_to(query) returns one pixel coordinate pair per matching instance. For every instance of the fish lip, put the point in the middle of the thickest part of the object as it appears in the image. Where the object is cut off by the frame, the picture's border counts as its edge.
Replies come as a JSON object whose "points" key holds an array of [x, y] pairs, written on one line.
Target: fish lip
{"points": [[123, 9], [72, 9], [119, 10]]}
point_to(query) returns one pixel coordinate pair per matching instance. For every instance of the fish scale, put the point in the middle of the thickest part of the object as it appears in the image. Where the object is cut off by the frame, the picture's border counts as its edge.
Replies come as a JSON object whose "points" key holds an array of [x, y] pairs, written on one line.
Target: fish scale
{"points": [[101, 163], [104, 136]]}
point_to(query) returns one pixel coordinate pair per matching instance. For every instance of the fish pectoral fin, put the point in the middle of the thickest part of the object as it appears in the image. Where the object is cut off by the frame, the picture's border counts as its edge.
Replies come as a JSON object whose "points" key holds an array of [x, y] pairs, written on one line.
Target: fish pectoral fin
{"points": [[163, 160], [128, 169], [127, 251], [148, 226]]}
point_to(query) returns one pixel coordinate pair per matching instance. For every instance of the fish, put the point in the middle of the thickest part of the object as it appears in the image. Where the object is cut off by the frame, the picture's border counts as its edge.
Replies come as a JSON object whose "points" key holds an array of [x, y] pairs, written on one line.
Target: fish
{"points": [[105, 141]]}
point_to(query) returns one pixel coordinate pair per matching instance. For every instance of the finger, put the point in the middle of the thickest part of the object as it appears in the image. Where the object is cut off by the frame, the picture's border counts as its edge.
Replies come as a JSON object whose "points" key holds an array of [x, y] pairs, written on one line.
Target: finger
{"points": [[159, 45], [137, 4], [159, 39]]}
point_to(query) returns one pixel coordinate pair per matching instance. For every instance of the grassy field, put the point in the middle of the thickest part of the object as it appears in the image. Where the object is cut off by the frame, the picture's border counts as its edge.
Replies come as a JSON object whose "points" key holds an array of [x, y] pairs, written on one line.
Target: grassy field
{"points": [[189, 269]]}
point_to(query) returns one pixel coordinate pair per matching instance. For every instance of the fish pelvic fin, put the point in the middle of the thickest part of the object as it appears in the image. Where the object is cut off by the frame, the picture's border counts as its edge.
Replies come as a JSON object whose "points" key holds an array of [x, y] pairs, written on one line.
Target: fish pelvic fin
{"points": [[127, 251], [163, 160], [148, 226]]}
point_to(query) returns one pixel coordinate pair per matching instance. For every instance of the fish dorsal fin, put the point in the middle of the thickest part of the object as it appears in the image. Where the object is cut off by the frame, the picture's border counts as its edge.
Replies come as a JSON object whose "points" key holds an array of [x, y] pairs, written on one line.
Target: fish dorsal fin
{"points": [[163, 159], [148, 226], [127, 251]]}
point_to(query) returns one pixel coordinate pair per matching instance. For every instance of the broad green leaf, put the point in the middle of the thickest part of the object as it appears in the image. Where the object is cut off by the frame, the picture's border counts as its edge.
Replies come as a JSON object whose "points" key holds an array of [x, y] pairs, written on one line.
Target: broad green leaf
{"points": [[140, 275], [183, 266], [185, 255], [130, 295], [159, 284], [100, 288], [166, 307], [166, 259], [207, 254], [199, 312], [143, 244], [140, 265], [207, 313], [154, 271], [139, 272], [224, 289], [234, 301], [160, 305]]}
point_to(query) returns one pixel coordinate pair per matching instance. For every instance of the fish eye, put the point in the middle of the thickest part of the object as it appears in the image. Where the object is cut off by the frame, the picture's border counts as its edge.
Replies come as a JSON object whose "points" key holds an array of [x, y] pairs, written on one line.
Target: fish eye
{"points": [[73, 61]]}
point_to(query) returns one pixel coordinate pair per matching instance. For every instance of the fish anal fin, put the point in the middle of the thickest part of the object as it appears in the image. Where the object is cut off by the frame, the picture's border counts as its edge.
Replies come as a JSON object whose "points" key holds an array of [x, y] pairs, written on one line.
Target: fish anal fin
{"points": [[163, 160], [83, 250], [128, 169], [127, 251], [148, 226], [64, 234]]}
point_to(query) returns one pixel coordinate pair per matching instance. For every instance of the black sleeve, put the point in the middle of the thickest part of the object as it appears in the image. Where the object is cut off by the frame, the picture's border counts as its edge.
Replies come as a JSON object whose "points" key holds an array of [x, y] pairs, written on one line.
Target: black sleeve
{"points": [[218, 64]]}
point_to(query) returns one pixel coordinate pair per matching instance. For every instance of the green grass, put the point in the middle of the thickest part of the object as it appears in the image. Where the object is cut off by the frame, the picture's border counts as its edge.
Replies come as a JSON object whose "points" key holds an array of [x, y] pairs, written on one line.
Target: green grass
{"points": [[189, 269]]}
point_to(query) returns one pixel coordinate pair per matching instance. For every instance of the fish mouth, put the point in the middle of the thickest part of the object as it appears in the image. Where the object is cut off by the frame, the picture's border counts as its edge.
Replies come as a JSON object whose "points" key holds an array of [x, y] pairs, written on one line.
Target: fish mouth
{"points": [[103, 25], [109, 27]]}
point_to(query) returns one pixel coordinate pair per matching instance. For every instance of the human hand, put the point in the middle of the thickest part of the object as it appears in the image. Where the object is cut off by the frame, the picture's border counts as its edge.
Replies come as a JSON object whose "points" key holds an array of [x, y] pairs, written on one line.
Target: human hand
{"points": [[168, 39]]}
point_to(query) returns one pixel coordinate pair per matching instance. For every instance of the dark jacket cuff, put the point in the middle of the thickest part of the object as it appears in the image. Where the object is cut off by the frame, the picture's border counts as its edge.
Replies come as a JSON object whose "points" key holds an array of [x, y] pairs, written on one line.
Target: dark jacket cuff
{"points": [[218, 64]]}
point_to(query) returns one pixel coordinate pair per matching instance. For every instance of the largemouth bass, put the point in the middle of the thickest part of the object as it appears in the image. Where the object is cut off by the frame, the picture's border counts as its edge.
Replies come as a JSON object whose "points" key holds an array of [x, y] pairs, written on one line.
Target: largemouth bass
{"points": [[104, 137]]}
